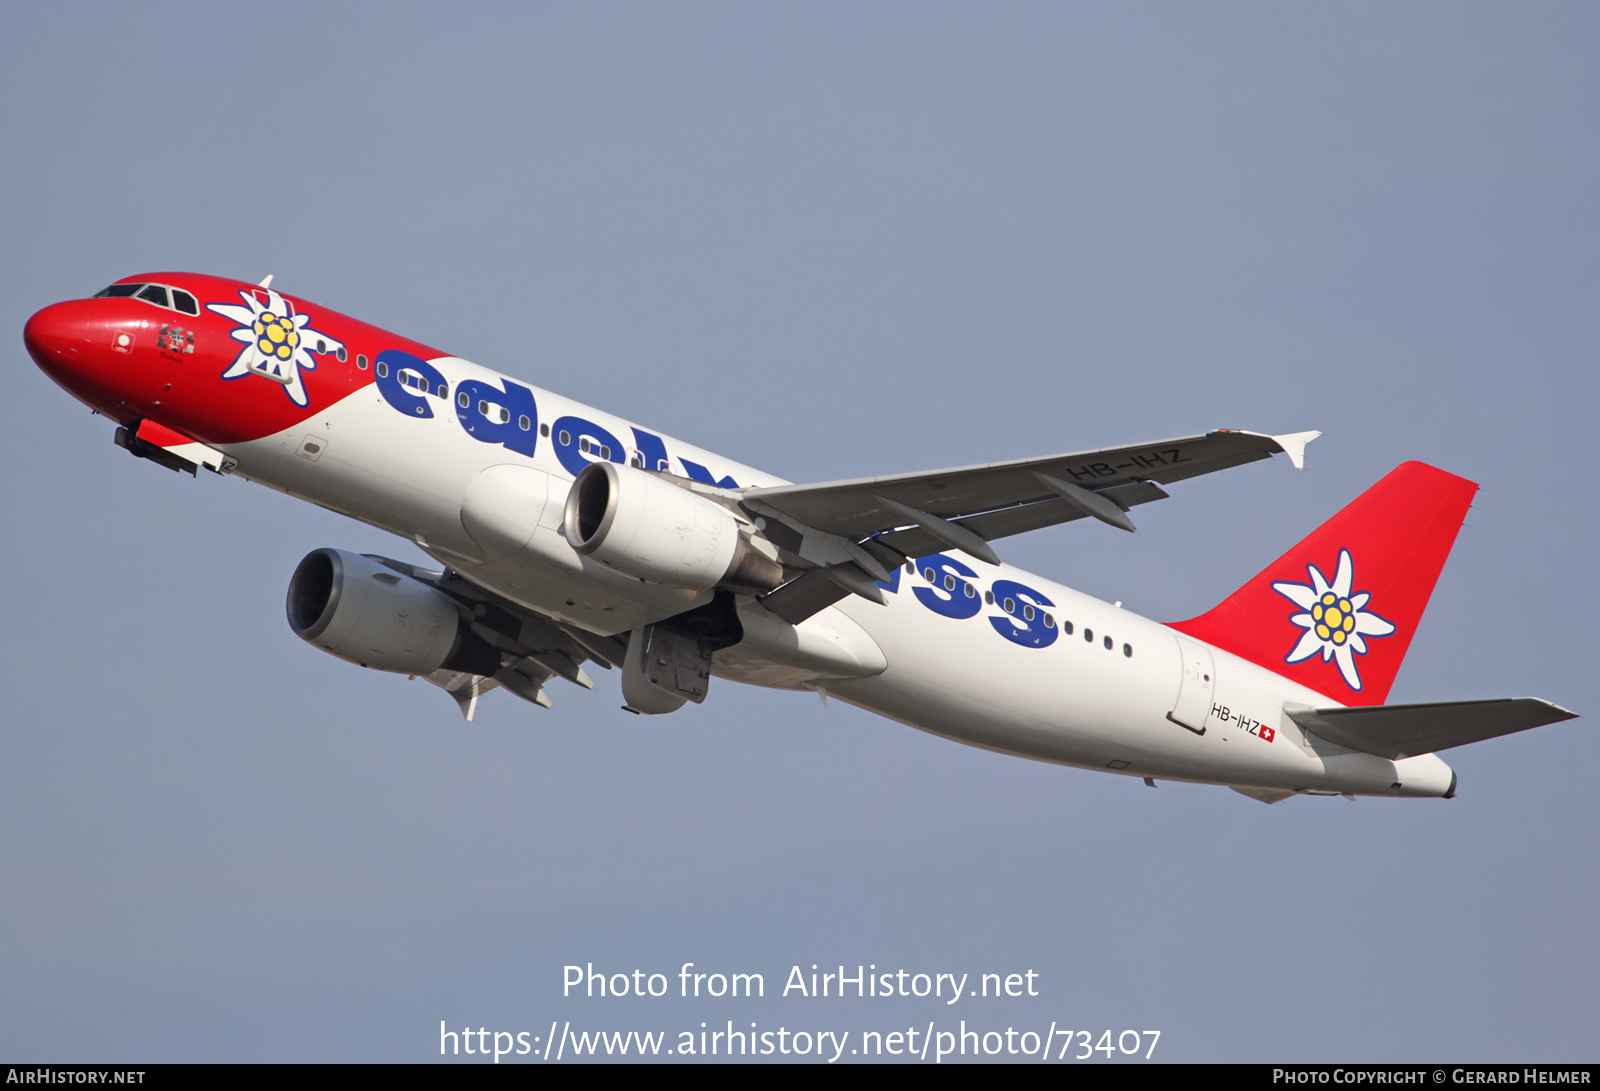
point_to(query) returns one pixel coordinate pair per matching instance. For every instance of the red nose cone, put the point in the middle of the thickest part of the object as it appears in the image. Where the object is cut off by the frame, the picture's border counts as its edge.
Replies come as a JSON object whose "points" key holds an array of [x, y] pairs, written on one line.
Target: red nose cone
{"points": [[86, 346], [57, 337]]}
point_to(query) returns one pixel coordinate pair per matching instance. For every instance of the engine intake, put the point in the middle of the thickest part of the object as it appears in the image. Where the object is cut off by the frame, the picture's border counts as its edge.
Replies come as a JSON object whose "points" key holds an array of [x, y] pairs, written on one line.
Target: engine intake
{"points": [[353, 606], [638, 524]]}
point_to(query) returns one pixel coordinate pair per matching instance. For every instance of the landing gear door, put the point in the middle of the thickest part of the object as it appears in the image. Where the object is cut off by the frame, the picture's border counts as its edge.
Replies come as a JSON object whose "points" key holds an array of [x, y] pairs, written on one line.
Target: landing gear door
{"points": [[1196, 687]]}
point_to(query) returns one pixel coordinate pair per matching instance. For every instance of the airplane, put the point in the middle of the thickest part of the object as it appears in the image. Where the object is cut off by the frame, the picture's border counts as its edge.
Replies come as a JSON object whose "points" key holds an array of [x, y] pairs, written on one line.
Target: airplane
{"points": [[566, 536]]}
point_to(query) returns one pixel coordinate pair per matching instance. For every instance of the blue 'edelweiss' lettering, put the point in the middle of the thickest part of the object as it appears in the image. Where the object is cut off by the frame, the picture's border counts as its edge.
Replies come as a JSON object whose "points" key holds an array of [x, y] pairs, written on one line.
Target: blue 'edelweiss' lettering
{"points": [[651, 451], [491, 415], [400, 378], [951, 592], [947, 591], [699, 473], [579, 442], [508, 415], [1025, 624]]}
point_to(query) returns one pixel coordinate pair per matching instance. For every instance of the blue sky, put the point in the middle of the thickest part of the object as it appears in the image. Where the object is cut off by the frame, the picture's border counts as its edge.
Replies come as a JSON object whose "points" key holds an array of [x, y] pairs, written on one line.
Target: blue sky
{"points": [[828, 241]]}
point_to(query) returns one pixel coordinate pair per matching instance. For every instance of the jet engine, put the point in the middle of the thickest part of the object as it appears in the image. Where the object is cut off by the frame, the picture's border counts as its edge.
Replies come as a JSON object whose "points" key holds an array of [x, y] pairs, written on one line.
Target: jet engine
{"points": [[353, 606], [647, 527]]}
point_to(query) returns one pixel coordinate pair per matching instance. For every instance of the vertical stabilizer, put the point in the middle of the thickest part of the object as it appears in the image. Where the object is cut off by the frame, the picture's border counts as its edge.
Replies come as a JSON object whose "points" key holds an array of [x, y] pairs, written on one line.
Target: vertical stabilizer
{"points": [[1337, 612]]}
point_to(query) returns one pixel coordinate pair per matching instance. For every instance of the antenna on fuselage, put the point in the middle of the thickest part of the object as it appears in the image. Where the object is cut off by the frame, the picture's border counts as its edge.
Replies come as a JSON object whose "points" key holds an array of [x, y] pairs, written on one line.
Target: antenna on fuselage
{"points": [[266, 281]]}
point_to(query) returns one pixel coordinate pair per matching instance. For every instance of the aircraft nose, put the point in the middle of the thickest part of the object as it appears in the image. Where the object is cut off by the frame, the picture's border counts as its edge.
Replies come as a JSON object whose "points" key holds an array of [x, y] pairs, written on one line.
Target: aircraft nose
{"points": [[85, 347], [57, 337]]}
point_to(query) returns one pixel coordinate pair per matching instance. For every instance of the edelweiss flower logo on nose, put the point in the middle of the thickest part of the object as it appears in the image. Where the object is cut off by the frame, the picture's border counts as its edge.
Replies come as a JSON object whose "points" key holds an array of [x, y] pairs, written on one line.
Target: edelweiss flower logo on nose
{"points": [[1336, 622], [277, 342]]}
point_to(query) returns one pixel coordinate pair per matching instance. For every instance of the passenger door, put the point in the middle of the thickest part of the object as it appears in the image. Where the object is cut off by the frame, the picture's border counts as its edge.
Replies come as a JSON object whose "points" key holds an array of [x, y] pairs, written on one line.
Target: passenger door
{"points": [[1196, 687]]}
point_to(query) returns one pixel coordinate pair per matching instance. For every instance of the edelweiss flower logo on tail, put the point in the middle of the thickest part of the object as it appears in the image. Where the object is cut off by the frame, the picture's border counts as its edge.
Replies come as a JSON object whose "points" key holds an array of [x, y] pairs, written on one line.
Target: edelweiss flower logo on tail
{"points": [[277, 342], [1336, 622]]}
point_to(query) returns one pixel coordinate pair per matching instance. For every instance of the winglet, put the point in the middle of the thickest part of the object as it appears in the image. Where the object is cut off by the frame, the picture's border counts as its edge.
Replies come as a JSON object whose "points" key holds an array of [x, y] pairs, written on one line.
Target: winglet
{"points": [[1294, 445]]}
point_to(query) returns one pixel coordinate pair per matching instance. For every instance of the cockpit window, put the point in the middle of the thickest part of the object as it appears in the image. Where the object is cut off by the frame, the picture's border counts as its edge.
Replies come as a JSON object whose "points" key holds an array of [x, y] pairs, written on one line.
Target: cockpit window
{"points": [[179, 300]]}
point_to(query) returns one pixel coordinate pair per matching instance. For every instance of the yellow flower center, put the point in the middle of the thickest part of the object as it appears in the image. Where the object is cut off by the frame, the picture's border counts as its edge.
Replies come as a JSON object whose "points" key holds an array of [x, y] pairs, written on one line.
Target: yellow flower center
{"points": [[276, 335], [1335, 617]]}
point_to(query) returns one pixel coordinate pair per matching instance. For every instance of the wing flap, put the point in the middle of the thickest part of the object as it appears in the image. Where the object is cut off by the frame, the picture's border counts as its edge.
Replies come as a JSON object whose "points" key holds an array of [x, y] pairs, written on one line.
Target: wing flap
{"points": [[1403, 731], [1265, 795], [1020, 518], [804, 595]]}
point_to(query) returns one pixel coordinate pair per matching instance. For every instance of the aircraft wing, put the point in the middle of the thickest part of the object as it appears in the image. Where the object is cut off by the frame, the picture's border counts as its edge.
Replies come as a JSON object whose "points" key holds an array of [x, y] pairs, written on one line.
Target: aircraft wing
{"points": [[856, 508], [850, 533], [1402, 731]]}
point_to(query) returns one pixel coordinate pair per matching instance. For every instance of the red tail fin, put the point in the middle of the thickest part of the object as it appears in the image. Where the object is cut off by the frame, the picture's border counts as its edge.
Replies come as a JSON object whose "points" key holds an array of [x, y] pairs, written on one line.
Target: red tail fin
{"points": [[1337, 612]]}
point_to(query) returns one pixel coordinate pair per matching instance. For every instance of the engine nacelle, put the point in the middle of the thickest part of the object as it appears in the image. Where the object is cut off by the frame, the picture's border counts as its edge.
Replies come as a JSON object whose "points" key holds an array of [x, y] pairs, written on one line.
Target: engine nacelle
{"points": [[352, 606], [648, 528]]}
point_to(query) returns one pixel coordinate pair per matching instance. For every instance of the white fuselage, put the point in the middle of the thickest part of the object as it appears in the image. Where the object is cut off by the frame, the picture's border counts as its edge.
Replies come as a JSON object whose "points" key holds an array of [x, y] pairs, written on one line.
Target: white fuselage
{"points": [[1047, 693]]}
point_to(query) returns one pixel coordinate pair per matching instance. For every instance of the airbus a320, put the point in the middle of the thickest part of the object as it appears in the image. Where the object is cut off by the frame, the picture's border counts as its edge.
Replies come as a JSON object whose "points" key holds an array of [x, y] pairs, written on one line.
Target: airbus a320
{"points": [[568, 537]]}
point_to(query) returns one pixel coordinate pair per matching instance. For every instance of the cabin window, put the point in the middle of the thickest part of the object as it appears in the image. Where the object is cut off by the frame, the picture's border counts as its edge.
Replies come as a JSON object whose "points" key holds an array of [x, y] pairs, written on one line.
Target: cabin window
{"points": [[544, 430], [361, 361], [1049, 621], [972, 592], [444, 390], [949, 582], [583, 444], [1088, 636], [383, 370], [1109, 643], [988, 596], [1010, 605], [464, 399], [929, 574], [340, 353], [1027, 613], [524, 423], [1127, 650], [1066, 627], [564, 438], [605, 452]]}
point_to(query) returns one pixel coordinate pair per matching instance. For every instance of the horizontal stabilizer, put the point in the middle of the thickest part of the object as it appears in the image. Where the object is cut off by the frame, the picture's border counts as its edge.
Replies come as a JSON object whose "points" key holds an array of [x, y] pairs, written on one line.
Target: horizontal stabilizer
{"points": [[1402, 731]]}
